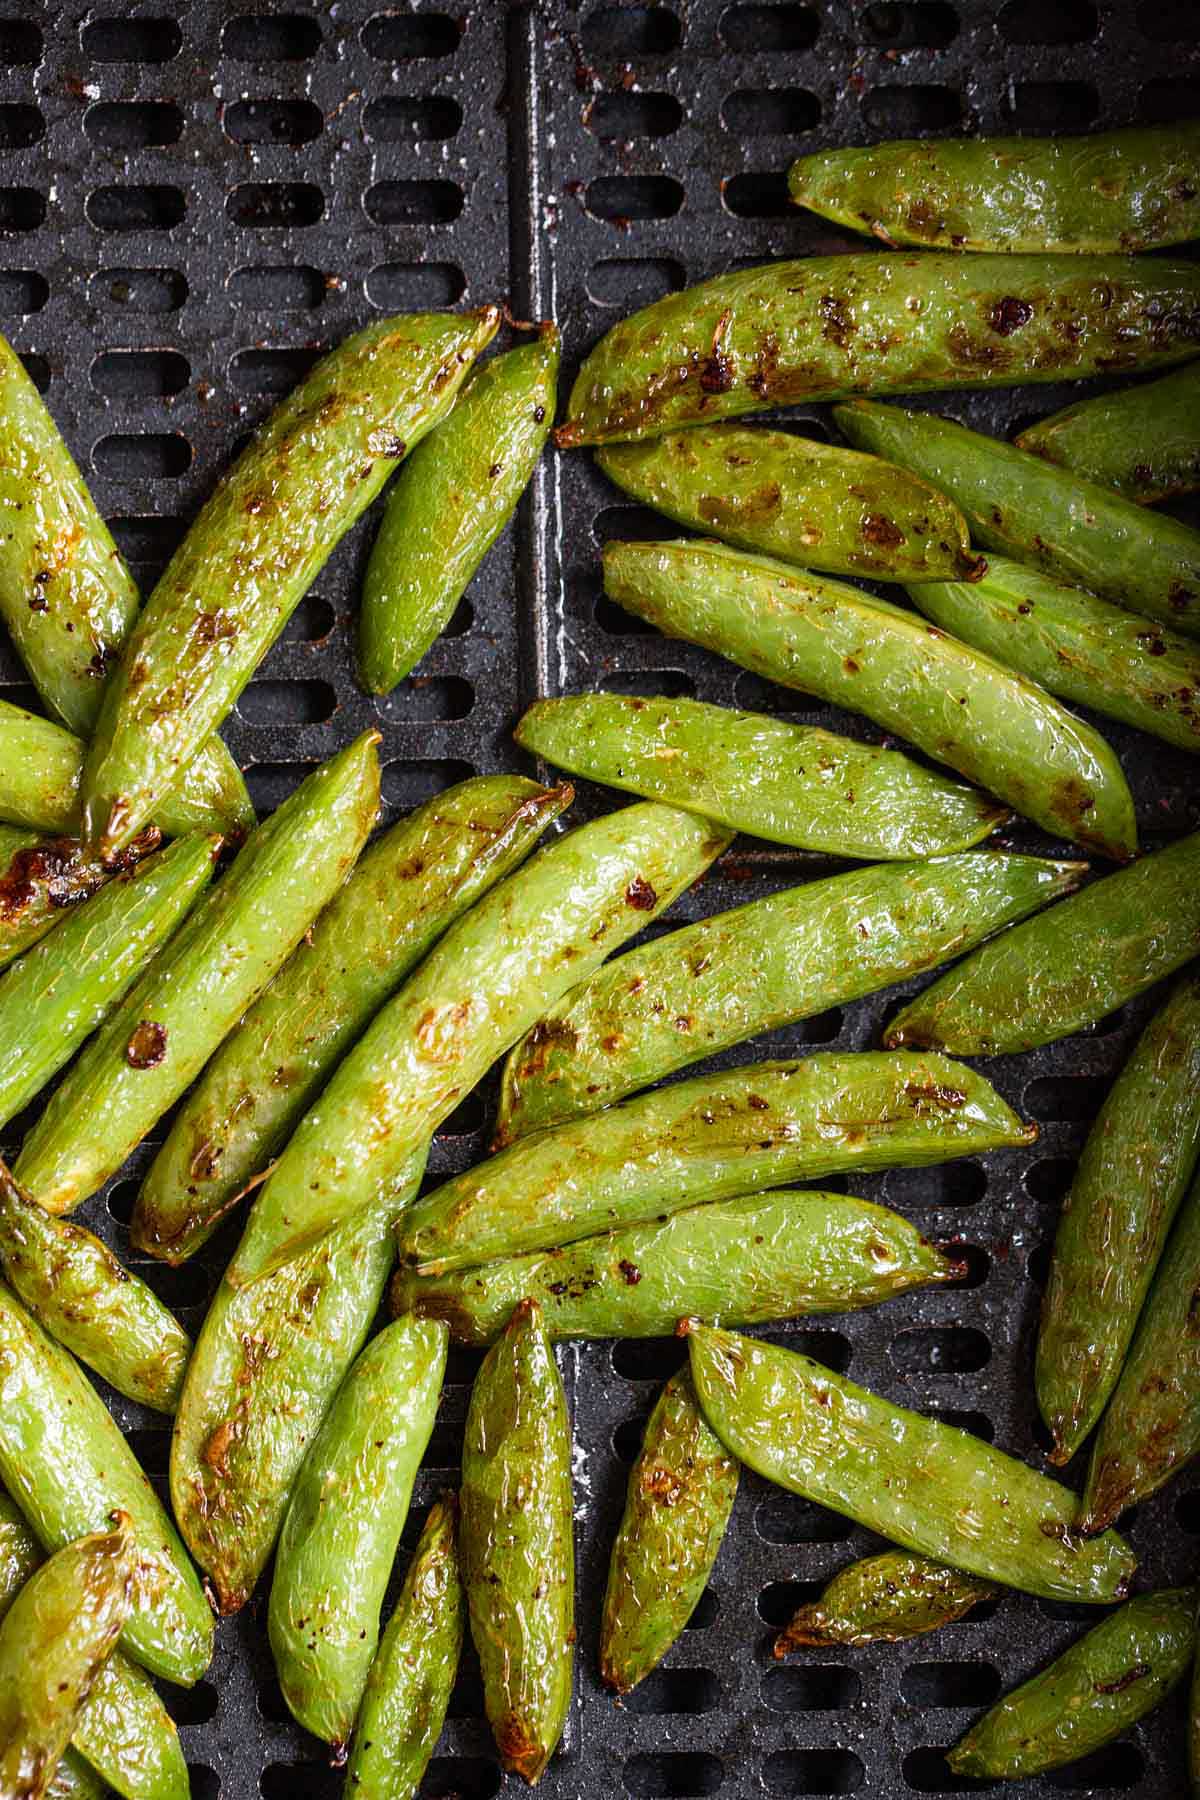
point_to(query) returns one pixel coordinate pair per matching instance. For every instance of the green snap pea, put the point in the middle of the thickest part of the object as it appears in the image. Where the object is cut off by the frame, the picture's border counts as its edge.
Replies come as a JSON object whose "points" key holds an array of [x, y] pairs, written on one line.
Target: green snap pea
{"points": [[408, 1689], [257, 545], [193, 994], [517, 1543], [41, 879], [883, 1599], [957, 705], [681, 1492], [343, 1526], [825, 326], [450, 503], [928, 1487], [407, 888], [545, 928], [727, 978], [73, 1780], [1020, 506], [1143, 441], [1089, 1695], [1136, 1167], [1053, 975]]}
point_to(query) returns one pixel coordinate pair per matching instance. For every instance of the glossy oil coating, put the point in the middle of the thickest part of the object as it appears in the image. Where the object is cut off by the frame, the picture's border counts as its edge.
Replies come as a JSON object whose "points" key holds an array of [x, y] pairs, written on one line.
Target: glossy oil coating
{"points": [[343, 1525], [680, 1495], [267, 1364], [1055, 974], [545, 928], [517, 1544], [1137, 189], [845, 646], [41, 879], [1020, 506], [411, 884], [884, 1599], [1091, 1694], [1143, 441], [1136, 1167], [256, 546], [826, 326], [928, 1487], [816, 504], [450, 503], [195, 991]]}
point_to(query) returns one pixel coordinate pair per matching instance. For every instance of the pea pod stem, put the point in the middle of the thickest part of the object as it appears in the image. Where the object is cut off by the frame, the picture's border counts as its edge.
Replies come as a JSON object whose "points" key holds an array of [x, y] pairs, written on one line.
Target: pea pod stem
{"points": [[1143, 441], [885, 1599]]}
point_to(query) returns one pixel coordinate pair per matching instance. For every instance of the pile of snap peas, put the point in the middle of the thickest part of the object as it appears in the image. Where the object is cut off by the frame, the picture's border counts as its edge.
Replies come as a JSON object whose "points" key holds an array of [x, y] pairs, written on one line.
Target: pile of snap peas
{"points": [[315, 1000]]}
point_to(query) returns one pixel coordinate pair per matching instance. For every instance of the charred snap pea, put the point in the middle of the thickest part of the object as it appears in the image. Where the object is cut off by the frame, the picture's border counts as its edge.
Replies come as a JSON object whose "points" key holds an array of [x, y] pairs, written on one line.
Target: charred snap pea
{"points": [[1136, 1167], [193, 994], [545, 928], [343, 1526], [1091, 1694], [411, 1679], [681, 1492], [819, 505], [1053, 975], [517, 1545], [1143, 441], [727, 978], [254, 550], [928, 1487], [826, 326], [1020, 506], [847, 647], [41, 879], [449, 505], [408, 887], [884, 1599]]}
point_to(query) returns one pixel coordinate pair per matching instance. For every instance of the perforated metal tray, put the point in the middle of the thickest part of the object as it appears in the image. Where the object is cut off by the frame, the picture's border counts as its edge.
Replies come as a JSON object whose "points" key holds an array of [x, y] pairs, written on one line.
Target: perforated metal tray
{"points": [[194, 201]]}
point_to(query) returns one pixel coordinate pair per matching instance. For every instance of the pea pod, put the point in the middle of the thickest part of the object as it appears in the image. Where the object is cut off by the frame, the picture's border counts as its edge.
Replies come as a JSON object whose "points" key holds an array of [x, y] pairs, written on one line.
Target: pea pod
{"points": [[255, 548], [928, 1487], [1089, 1695], [343, 1526], [449, 505], [1017, 505], [545, 928], [732, 976], [1137, 1164], [193, 994], [824, 326], [1143, 441], [40, 880], [516, 1543], [411, 1679], [819, 505], [681, 1492], [856, 651], [883, 1599], [1053, 975], [404, 892]]}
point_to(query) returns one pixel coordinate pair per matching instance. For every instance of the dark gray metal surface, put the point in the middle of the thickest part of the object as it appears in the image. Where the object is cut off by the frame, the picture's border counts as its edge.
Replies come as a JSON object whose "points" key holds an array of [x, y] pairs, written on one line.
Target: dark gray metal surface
{"points": [[193, 202]]}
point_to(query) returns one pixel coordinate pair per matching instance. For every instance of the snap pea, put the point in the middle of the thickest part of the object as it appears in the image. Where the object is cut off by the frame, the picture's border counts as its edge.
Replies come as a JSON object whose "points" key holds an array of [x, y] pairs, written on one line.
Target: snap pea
{"points": [[1112, 190], [539, 932], [411, 1678], [928, 1487], [255, 548], [267, 1364], [850, 648], [73, 1780], [516, 1542], [1089, 1695], [450, 503], [400, 897], [1081, 648], [790, 784], [41, 879], [883, 1599], [819, 505], [1050, 976], [1021, 506], [824, 326], [195, 991], [1143, 441], [681, 1492], [1135, 1168], [729, 977], [343, 1526]]}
